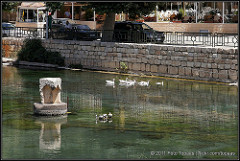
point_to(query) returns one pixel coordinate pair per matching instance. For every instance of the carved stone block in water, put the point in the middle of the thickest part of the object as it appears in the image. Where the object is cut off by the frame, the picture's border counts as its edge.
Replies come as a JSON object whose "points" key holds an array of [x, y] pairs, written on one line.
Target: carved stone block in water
{"points": [[50, 92]]}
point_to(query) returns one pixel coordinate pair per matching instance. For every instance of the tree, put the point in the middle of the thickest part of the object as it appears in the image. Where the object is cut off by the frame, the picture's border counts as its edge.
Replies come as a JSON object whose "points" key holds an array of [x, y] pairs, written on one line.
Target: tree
{"points": [[8, 6], [53, 6], [111, 8]]}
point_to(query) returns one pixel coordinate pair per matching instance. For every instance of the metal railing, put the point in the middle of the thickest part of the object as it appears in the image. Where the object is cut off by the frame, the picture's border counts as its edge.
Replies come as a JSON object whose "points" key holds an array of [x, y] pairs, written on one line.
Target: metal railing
{"points": [[203, 39], [133, 36], [24, 32]]}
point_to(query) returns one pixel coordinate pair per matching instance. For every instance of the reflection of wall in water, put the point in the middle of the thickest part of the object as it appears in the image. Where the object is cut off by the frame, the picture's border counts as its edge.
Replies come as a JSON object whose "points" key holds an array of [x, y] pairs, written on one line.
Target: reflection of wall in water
{"points": [[182, 100], [183, 94], [82, 100], [121, 118], [12, 78]]}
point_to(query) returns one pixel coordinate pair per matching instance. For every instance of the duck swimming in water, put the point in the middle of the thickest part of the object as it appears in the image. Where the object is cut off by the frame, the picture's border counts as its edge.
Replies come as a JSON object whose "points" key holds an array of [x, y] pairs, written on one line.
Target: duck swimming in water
{"points": [[143, 83], [109, 115], [127, 82], [101, 117], [159, 83], [104, 117], [110, 83]]}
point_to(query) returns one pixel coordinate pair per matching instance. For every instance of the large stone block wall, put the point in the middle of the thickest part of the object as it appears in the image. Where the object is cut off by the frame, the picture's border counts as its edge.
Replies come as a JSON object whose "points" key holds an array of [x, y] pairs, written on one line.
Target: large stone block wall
{"points": [[11, 46], [199, 63]]}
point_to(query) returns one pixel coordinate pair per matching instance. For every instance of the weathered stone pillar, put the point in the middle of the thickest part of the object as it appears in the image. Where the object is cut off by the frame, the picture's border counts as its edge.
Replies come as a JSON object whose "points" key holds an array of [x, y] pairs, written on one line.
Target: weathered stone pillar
{"points": [[50, 92]]}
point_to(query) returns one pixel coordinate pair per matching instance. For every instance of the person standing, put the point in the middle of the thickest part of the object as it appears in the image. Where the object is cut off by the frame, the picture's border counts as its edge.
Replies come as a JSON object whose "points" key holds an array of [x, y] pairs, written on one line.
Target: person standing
{"points": [[69, 31], [50, 24], [67, 14], [68, 25]]}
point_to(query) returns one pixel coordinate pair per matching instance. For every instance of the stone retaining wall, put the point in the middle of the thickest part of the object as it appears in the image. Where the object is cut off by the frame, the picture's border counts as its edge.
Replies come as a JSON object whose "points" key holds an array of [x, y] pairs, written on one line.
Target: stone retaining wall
{"points": [[199, 63], [10, 46]]}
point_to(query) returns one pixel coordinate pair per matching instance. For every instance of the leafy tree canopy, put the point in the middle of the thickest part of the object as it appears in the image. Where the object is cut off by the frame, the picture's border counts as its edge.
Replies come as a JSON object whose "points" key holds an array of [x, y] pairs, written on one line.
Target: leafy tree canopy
{"points": [[110, 8], [133, 8], [8, 6], [53, 6]]}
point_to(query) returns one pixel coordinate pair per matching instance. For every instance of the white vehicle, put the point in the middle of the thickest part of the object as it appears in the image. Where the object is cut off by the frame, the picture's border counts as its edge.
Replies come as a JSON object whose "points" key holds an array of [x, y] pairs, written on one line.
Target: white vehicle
{"points": [[8, 29]]}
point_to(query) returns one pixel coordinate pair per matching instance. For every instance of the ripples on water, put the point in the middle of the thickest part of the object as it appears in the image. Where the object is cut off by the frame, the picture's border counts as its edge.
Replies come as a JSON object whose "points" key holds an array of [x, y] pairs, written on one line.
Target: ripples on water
{"points": [[179, 119]]}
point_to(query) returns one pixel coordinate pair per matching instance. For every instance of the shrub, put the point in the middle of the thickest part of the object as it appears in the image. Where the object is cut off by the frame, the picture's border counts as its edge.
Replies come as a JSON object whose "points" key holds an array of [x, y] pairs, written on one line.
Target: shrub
{"points": [[123, 67], [33, 51]]}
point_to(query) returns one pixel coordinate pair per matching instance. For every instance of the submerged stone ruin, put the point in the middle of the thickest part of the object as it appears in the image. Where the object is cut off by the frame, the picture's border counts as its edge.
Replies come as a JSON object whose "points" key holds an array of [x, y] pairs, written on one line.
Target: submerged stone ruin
{"points": [[50, 92]]}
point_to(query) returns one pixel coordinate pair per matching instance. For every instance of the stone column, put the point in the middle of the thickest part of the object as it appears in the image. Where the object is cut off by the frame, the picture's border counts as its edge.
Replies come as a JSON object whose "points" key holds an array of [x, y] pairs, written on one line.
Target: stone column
{"points": [[50, 93]]}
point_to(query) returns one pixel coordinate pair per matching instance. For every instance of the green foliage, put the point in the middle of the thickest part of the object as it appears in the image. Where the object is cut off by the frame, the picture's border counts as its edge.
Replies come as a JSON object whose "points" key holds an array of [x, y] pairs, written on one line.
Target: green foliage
{"points": [[33, 51], [53, 6], [89, 14], [106, 7], [76, 66], [123, 67], [133, 8], [8, 6], [162, 6], [140, 8], [181, 10], [180, 14], [213, 12]]}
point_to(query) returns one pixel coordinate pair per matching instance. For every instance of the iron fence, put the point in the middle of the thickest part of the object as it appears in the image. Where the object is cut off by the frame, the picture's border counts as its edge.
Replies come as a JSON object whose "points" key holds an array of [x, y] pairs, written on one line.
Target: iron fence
{"points": [[133, 36], [24, 32], [203, 39]]}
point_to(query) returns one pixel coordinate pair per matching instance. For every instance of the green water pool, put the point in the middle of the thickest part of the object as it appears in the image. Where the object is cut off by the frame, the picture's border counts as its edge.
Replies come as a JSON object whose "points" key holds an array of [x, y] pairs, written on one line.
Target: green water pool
{"points": [[176, 120]]}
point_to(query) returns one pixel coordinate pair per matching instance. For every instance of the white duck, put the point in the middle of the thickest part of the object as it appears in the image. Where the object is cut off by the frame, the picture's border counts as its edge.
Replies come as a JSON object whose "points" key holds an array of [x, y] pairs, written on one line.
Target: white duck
{"points": [[101, 117], [127, 82], [233, 84], [131, 83], [159, 83], [109, 115], [104, 116], [143, 83], [123, 81], [110, 82]]}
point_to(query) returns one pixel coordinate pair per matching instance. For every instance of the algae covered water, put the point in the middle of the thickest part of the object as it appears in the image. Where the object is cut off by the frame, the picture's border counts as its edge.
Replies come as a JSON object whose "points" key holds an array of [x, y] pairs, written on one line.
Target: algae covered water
{"points": [[168, 119]]}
